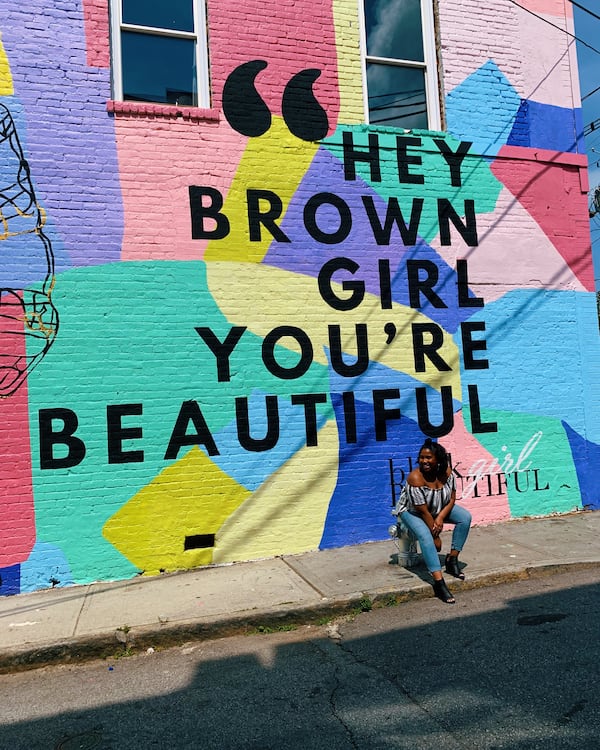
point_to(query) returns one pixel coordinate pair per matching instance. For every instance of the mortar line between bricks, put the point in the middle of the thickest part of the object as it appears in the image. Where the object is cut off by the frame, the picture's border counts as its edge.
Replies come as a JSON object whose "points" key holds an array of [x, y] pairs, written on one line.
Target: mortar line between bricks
{"points": [[304, 578], [88, 589]]}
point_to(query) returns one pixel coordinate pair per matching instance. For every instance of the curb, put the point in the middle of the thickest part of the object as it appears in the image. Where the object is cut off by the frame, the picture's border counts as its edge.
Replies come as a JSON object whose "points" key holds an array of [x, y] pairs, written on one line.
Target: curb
{"points": [[117, 644]]}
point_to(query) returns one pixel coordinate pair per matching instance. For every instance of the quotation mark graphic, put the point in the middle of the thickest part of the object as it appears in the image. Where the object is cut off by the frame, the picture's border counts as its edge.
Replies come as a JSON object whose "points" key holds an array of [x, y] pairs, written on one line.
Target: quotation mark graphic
{"points": [[28, 319], [247, 113]]}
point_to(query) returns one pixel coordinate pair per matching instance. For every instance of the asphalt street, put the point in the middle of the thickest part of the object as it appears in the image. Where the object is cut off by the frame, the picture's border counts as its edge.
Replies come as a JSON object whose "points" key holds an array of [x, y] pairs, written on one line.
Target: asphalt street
{"points": [[508, 667]]}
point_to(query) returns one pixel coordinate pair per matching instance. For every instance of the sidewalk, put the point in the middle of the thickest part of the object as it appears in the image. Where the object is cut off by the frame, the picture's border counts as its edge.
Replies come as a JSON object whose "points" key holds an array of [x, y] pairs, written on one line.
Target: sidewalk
{"points": [[104, 619]]}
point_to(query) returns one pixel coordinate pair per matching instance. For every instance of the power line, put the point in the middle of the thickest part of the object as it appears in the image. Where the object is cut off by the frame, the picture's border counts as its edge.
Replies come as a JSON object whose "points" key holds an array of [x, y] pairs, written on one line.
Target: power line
{"points": [[592, 127], [587, 10], [590, 93], [564, 31]]}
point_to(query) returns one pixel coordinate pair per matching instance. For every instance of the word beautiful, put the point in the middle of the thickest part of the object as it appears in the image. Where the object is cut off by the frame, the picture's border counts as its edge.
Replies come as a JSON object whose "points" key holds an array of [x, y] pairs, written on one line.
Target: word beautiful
{"points": [[61, 447], [265, 207]]}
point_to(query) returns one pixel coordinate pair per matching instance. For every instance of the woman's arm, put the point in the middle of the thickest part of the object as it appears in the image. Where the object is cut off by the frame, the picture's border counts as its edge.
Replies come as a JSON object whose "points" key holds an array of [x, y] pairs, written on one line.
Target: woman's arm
{"points": [[425, 514], [440, 519]]}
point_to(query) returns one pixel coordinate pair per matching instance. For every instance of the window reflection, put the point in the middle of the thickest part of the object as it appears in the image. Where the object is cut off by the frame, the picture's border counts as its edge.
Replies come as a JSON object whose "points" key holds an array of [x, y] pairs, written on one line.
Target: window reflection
{"points": [[394, 29], [162, 14], [158, 69], [397, 96]]}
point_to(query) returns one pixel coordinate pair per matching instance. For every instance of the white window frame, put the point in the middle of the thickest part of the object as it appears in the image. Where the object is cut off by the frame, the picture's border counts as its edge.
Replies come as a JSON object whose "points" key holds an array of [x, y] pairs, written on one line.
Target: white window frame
{"points": [[430, 64], [199, 35]]}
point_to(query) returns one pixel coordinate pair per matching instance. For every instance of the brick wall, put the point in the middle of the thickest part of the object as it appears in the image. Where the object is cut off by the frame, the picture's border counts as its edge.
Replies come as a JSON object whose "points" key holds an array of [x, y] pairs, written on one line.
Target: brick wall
{"points": [[219, 346]]}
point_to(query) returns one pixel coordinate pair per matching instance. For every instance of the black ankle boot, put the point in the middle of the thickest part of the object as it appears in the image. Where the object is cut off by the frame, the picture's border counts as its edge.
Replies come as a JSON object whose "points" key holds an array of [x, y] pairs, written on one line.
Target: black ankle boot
{"points": [[443, 592], [453, 568]]}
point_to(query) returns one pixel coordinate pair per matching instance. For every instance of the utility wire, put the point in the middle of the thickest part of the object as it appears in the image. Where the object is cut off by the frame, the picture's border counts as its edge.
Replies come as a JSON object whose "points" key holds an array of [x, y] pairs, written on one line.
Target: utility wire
{"points": [[564, 31], [590, 93], [587, 10]]}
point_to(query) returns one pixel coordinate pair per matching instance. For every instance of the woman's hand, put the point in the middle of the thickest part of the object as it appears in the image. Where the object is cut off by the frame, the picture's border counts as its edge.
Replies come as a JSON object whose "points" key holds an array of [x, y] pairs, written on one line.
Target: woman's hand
{"points": [[437, 527]]}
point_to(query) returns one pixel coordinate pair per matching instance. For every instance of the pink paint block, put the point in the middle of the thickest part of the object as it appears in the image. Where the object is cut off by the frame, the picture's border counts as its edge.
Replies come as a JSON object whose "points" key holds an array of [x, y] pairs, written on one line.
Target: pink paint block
{"points": [[17, 513], [467, 453], [551, 191], [97, 33]]}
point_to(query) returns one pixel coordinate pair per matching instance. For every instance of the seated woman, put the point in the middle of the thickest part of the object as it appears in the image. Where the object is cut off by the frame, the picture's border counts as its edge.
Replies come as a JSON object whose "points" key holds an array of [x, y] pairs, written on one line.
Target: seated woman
{"points": [[427, 502]]}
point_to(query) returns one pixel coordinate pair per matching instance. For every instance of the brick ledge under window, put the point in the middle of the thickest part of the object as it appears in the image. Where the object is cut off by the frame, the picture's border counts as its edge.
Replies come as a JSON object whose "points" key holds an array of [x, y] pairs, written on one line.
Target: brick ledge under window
{"points": [[167, 111]]}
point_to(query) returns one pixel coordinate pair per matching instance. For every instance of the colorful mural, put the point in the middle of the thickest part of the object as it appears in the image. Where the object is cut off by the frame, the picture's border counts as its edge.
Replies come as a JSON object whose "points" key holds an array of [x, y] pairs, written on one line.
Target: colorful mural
{"points": [[266, 306]]}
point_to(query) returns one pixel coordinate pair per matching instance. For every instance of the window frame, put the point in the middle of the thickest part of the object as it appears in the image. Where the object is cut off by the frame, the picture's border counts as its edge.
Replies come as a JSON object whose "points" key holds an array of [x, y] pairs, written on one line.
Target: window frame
{"points": [[429, 65], [201, 59]]}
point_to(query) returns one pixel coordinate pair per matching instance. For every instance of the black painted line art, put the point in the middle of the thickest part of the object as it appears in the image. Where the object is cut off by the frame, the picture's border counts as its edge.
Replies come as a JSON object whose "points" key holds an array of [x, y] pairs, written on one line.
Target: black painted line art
{"points": [[247, 113], [28, 319]]}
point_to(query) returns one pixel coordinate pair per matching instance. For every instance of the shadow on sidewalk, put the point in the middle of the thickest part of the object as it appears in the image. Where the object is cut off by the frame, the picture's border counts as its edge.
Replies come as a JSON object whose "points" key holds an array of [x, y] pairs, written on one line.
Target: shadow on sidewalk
{"points": [[521, 676]]}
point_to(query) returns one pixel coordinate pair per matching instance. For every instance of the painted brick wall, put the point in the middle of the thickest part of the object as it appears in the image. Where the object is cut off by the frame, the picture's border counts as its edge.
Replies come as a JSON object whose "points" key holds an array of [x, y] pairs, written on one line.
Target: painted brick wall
{"points": [[214, 347]]}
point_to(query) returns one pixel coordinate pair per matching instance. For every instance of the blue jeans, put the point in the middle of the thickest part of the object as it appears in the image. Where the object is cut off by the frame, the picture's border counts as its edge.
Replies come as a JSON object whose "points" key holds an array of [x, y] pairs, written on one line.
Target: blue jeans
{"points": [[460, 517]]}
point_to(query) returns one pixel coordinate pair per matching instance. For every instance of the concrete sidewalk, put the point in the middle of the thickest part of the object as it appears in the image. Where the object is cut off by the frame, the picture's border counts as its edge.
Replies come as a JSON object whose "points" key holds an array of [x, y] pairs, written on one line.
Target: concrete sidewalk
{"points": [[105, 619]]}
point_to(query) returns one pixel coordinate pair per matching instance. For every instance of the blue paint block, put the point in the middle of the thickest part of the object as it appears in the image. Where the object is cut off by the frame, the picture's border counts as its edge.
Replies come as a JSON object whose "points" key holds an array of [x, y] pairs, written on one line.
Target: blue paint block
{"points": [[11, 580], [45, 567], [482, 109], [361, 505], [545, 126], [586, 457]]}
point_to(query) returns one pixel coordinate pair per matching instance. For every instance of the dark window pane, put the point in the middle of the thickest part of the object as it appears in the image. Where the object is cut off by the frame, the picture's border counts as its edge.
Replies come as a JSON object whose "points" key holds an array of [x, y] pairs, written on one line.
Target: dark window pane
{"points": [[396, 96], [394, 29], [162, 14], [158, 69]]}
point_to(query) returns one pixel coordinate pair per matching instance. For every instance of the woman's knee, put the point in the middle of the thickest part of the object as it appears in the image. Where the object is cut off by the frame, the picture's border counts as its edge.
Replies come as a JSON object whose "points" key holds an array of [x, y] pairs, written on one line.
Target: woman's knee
{"points": [[462, 516]]}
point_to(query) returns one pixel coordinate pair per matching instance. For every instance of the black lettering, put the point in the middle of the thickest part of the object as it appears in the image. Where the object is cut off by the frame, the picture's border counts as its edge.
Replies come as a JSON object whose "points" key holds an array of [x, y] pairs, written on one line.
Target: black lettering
{"points": [[385, 284], [382, 414], [268, 352], [309, 401], [470, 346], [362, 347], [266, 218], [454, 159], [476, 424], [200, 212], [423, 419], [537, 483], [447, 214], [310, 218], [356, 287], [349, 406], [394, 216], [404, 159], [518, 487], [501, 483], [464, 300], [421, 349], [257, 445], [221, 349], [351, 156], [190, 412], [417, 286], [116, 434], [65, 436]]}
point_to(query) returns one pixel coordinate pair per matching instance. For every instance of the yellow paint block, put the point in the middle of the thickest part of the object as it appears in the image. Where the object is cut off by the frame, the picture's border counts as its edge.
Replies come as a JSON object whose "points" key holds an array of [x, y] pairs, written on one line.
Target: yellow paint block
{"points": [[263, 298], [276, 161], [6, 82], [192, 497], [350, 74], [287, 514]]}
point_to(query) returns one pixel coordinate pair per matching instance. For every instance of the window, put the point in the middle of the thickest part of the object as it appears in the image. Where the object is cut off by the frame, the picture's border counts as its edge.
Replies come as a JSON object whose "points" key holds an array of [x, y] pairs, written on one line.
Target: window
{"points": [[159, 51], [400, 64]]}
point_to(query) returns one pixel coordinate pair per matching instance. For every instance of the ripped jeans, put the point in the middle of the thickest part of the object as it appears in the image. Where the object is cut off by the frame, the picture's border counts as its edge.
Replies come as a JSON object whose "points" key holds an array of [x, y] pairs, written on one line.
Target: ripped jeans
{"points": [[459, 516]]}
